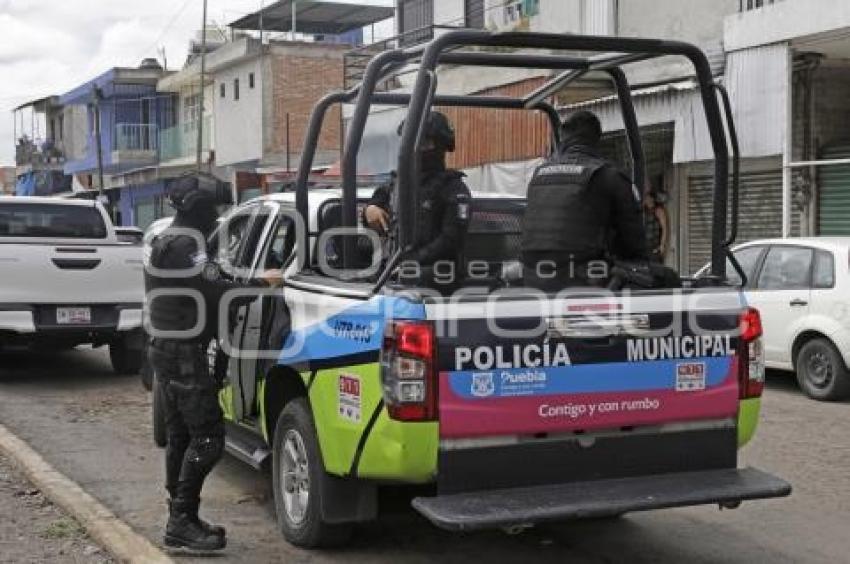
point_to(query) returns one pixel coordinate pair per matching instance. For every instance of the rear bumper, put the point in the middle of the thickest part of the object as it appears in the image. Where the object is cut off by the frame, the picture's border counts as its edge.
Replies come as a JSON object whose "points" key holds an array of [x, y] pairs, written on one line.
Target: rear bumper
{"points": [[600, 498], [32, 320]]}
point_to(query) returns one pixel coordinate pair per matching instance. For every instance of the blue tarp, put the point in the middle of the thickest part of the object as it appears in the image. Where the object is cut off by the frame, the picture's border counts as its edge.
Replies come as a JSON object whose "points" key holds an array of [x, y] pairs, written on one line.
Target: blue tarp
{"points": [[25, 185]]}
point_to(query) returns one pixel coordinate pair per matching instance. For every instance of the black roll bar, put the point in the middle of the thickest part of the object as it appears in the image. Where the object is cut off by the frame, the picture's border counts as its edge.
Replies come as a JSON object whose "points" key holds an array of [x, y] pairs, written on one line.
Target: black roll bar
{"points": [[630, 121], [407, 168], [442, 50]]}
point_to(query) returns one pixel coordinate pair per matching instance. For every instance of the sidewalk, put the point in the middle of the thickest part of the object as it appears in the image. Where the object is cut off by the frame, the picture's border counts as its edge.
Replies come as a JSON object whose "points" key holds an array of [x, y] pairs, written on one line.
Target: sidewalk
{"points": [[32, 529]]}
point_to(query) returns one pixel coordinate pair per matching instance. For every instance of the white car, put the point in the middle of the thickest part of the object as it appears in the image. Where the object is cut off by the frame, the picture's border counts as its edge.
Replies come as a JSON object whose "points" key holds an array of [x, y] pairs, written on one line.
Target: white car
{"points": [[801, 287], [70, 278]]}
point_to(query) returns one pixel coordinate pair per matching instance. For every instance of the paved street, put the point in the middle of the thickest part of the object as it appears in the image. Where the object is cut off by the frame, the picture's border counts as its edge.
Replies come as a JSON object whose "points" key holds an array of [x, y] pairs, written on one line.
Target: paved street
{"points": [[94, 427]]}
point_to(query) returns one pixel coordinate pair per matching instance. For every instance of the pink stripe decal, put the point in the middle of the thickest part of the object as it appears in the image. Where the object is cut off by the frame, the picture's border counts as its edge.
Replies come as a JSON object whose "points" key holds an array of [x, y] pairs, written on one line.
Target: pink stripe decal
{"points": [[462, 417]]}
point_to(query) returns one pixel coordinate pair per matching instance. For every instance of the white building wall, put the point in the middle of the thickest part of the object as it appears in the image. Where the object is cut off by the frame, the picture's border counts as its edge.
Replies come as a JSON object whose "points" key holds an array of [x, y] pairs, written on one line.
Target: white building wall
{"points": [[448, 12], [785, 21], [695, 21], [757, 80], [239, 123]]}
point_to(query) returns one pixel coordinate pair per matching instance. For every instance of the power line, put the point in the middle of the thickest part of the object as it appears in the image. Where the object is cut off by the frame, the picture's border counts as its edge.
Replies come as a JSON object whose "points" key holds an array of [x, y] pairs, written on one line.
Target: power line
{"points": [[166, 29]]}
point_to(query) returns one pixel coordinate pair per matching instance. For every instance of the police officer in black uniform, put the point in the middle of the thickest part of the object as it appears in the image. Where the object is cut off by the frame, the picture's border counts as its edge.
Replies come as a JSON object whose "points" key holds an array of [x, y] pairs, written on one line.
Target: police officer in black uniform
{"points": [[582, 212], [444, 199], [180, 266]]}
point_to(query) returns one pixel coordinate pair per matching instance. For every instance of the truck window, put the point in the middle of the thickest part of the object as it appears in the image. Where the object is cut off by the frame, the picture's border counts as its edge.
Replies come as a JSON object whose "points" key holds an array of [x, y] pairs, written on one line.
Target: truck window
{"points": [[282, 243], [51, 220], [786, 268]]}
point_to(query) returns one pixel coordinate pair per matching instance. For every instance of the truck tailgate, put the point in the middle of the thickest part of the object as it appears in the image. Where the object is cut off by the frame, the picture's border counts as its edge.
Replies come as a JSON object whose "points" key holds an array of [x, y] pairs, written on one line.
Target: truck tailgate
{"points": [[70, 274], [528, 366], [602, 498]]}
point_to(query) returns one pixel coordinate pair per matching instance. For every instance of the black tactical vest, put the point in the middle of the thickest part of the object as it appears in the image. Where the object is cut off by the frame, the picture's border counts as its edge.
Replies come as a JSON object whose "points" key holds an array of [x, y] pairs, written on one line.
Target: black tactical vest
{"points": [[432, 205], [170, 312], [563, 213]]}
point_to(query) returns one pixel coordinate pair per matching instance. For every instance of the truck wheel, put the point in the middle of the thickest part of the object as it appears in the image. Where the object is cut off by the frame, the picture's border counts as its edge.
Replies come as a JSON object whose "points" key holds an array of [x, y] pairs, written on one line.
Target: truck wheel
{"points": [[298, 481], [821, 372], [160, 437], [125, 360]]}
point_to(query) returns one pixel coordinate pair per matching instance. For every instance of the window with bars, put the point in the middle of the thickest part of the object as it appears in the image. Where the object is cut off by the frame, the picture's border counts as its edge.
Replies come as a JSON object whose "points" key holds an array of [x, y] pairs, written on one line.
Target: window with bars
{"points": [[473, 13], [747, 5], [415, 15]]}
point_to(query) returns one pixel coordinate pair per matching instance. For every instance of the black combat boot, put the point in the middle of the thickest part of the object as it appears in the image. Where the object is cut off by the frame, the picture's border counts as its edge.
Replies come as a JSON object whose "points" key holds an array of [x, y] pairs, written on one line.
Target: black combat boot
{"points": [[207, 527], [184, 530]]}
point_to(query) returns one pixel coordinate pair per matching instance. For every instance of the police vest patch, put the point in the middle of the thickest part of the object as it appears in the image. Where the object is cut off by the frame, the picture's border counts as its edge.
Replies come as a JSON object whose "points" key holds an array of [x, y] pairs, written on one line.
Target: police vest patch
{"points": [[561, 169]]}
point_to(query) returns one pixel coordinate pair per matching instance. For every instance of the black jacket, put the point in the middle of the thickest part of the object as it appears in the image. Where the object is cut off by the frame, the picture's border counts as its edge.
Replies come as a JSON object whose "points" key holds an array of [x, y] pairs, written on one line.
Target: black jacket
{"points": [[445, 209]]}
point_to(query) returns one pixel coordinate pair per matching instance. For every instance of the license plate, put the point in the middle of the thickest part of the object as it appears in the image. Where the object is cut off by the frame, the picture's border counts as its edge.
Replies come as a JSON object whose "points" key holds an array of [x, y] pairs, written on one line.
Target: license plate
{"points": [[73, 315]]}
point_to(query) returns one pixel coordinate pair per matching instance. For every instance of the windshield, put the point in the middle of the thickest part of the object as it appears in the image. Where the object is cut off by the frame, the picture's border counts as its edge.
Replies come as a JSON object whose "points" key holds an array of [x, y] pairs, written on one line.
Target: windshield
{"points": [[51, 220]]}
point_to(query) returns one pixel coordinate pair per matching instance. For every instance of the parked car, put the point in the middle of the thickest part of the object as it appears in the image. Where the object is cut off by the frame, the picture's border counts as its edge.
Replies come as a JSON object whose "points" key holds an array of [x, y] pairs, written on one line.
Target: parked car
{"points": [[70, 278], [801, 287]]}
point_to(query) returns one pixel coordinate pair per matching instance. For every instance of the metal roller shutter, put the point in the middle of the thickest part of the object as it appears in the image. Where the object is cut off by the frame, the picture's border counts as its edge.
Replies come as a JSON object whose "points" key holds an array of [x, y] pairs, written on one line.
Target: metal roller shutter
{"points": [[760, 214], [834, 197]]}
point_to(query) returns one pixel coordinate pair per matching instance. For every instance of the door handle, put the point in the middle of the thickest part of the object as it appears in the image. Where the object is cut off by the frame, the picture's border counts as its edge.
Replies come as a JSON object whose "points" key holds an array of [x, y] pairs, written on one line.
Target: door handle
{"points": [[799, 303]]}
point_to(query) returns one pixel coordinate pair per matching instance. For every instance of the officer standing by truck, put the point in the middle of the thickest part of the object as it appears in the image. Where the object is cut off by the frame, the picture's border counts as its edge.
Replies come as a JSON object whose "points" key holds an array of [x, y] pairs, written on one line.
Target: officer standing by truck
{"points": [[581, 213], [444, 199], [184, 288]]}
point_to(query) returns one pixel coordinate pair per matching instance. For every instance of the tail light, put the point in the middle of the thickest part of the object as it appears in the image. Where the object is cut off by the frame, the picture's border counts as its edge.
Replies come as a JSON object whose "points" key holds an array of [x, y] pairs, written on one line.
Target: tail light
{"points": [[409, 371], [750, 355]]}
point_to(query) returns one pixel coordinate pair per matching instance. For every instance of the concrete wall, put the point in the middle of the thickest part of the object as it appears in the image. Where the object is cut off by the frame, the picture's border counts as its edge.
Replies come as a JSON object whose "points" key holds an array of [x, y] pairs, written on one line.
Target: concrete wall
{"points": [[694, 21], [239, 123], [785, 21]]}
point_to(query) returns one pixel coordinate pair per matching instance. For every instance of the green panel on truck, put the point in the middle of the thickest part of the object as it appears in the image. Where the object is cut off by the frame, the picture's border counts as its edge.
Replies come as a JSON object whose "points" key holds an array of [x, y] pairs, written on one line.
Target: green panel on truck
{"points": [[748, 419], [392, 451]]}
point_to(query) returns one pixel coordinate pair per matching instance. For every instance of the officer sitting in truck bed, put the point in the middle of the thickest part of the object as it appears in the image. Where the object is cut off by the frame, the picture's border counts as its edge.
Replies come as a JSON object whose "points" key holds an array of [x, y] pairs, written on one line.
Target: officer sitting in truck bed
{"points": [[444, 200], [581, 212]]}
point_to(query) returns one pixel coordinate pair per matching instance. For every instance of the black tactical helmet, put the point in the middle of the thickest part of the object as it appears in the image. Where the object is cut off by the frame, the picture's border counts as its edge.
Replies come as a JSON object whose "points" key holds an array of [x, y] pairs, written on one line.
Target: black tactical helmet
{"points": [[191, 189], [439, 129]]}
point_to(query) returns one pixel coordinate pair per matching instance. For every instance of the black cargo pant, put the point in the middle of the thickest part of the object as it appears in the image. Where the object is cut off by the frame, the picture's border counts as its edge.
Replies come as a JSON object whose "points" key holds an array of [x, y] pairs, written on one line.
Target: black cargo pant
{"points": [[193, 418]]}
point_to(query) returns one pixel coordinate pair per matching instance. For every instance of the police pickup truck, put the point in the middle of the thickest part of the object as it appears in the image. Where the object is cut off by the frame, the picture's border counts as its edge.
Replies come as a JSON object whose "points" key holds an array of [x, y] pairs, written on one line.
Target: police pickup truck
{"points": [[508, 406]]}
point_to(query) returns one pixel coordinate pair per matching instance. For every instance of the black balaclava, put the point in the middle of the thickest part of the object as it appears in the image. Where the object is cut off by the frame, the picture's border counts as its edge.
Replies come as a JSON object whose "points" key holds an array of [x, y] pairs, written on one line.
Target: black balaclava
{"points": [[432, 161]]}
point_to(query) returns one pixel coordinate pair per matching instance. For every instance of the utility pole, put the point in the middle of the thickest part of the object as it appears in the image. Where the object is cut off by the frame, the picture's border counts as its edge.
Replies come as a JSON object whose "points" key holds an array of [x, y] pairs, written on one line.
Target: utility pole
{"points": [[294, 12], [97, 95], [201, 96]]}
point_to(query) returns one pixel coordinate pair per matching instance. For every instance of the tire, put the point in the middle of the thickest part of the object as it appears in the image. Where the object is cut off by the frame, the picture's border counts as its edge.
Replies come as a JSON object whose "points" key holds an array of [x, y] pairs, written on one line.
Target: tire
{"points": [[300, 519], [160, 437], [821, 372], [125, 360]]}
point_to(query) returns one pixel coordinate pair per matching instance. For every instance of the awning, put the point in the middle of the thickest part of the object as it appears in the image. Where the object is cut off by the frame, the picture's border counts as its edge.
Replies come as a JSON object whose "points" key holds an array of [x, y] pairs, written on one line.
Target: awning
{"points": [[314, 17]]}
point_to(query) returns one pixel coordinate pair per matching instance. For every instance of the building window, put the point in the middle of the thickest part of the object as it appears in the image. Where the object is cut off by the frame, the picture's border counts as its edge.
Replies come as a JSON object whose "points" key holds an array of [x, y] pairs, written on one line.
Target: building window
{"points": [[415, 19], [191, 111], [222, 89], [235, 88], [747, 5], [251, 80], [515, 11], [473, 13]]}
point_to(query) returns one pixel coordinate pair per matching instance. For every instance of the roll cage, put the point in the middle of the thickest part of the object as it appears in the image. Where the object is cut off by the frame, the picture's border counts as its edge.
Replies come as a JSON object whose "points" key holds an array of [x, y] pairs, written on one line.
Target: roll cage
{"points": [[608, 55]]}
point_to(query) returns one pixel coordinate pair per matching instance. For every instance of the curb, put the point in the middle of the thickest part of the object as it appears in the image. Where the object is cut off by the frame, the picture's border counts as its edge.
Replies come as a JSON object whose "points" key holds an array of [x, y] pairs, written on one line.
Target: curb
{"points": [[100, 523]]}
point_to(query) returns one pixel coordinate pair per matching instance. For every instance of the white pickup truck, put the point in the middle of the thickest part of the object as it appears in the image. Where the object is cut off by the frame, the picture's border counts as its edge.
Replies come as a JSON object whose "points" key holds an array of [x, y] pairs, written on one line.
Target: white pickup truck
{"points": [[69, 277]]}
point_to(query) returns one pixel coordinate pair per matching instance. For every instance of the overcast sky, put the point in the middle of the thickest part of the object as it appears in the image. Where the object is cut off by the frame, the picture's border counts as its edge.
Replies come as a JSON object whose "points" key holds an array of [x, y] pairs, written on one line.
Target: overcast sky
{"points": [[50, 46]]}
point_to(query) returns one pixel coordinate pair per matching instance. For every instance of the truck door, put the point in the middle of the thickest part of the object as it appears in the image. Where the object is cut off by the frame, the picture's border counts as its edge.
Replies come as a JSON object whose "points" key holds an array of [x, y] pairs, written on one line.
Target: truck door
{"points": [[266, 318], [782, 295]]}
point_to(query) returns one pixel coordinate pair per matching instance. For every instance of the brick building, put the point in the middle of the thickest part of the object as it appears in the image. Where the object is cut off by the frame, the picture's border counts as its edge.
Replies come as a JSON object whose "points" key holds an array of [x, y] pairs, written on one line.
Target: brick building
{"points": [[267, 82]]}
